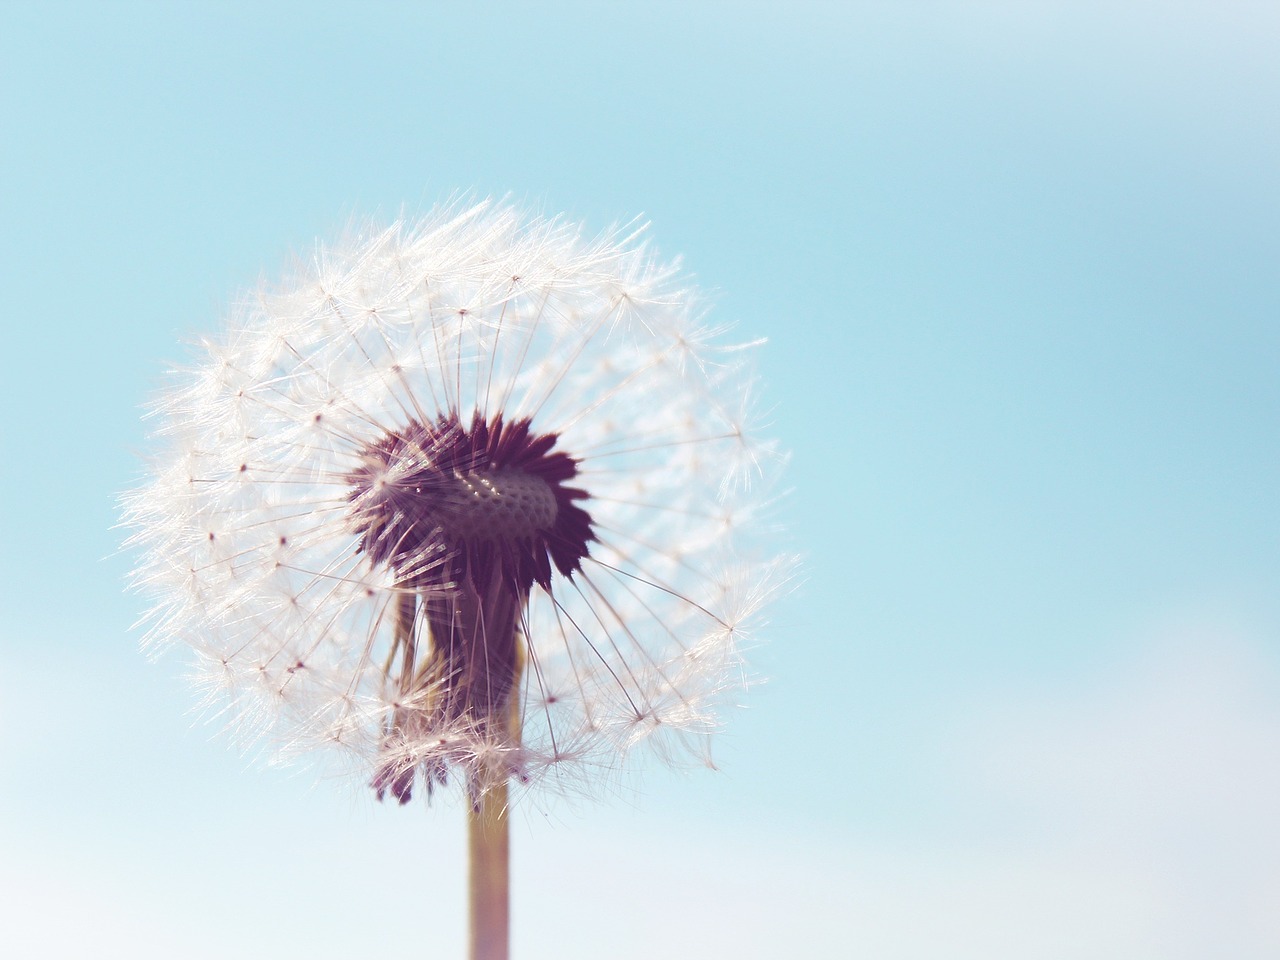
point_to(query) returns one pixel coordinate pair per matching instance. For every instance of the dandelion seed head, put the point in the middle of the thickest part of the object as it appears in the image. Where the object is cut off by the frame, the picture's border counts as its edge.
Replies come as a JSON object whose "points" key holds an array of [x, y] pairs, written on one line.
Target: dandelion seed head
{"points": [[477, 496]]}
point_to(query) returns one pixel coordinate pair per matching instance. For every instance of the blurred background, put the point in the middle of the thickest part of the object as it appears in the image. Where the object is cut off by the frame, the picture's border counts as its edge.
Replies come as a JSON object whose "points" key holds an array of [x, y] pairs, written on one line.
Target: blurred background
{"points": [[1017, 266]]}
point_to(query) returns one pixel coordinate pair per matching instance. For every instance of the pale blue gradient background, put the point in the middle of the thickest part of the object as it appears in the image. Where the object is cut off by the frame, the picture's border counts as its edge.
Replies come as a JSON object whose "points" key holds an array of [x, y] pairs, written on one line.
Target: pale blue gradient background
{"points": [[1017, 264]]}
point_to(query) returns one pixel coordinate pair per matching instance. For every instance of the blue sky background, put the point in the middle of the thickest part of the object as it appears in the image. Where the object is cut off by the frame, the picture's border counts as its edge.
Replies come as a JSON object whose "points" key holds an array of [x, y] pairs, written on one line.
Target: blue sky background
{"points": [[1017, 267]]}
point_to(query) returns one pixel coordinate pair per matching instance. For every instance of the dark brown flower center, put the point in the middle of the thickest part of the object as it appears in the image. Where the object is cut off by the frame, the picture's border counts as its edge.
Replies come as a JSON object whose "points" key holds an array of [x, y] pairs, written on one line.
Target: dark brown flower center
{"points": [[441, 503]]}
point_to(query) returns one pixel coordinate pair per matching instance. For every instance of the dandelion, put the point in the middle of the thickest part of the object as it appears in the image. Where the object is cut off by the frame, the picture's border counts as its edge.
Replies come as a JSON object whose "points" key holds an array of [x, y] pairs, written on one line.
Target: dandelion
{"points": [[468, 501]]}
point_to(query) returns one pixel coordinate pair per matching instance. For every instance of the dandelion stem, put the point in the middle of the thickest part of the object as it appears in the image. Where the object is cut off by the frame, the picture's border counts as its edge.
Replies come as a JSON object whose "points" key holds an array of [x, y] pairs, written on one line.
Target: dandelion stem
{"points": [[489, 844], [489, 839]]}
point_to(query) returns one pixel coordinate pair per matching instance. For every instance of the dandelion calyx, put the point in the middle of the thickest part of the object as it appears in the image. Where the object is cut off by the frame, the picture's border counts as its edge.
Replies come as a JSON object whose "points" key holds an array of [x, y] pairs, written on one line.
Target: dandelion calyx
{"points": [[469, 519]]}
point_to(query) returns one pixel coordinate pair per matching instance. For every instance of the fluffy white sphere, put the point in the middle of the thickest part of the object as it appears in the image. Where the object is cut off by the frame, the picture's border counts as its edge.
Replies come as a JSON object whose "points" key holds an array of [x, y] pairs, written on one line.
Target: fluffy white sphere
{"points": [[256, 553]]}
